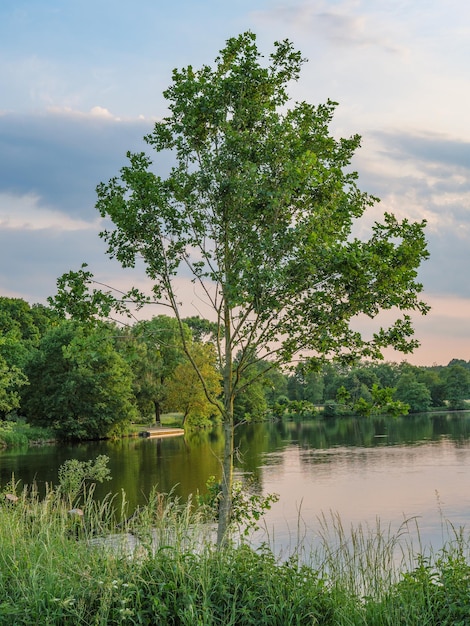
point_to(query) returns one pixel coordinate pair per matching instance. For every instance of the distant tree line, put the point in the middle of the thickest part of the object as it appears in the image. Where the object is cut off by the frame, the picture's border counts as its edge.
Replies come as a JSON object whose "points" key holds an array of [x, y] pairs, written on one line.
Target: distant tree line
{"points": [[375, 387], [88, 381]]}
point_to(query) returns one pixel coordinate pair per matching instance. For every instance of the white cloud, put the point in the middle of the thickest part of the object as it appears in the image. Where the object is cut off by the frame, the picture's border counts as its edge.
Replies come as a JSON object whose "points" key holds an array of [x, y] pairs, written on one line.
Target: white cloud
{"points": [[98, 111], [95, 112], [25, 213]]}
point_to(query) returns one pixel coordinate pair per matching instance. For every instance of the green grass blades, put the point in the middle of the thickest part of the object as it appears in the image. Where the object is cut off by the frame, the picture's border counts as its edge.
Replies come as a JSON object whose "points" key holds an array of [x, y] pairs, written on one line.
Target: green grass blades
{"points": [[160, 566]]}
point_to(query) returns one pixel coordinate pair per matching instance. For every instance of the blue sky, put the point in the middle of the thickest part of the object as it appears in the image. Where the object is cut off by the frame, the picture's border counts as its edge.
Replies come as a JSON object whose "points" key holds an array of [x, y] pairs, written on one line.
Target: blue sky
{"points": [[82, 83]]}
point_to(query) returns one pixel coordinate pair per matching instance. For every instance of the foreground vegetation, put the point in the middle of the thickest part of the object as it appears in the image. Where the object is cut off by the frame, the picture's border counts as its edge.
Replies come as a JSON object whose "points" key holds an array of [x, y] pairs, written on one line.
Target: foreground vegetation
{"points": [[160, 566]]}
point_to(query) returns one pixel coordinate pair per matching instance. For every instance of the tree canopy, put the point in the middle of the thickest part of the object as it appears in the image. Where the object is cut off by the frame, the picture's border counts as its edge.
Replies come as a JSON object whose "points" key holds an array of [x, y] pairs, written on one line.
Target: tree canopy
{"points": [[79, 385], [258, 211]]}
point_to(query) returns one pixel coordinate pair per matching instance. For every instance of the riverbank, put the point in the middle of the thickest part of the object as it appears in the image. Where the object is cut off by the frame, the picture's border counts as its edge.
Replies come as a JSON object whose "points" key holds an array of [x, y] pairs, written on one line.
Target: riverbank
{"points": [[19, 434], [56, 570]]}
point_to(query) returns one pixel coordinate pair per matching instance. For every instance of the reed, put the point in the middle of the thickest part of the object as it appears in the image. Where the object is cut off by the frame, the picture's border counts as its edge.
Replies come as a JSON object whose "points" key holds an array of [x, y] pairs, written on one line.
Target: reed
{"points": [[160, 566]]}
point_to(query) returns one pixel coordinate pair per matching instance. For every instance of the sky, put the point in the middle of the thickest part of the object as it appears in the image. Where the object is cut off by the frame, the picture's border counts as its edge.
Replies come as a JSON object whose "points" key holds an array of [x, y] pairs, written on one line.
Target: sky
{"points": [[82, 82]]}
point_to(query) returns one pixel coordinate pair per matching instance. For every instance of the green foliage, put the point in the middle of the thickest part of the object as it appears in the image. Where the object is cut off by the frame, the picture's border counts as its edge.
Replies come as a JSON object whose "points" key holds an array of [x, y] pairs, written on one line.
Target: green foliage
{"points": [[435, 592], [192, 386], [79, 385], [239, 586], [15, 434], [78, 298], [366, 387], [305, 384], [259, 208], [16, 315], [252, 404], [457, 386], [74, 474], [332, 408], [302, 408], [56, 573], [21, 327], [10, 438], [433, 379], [279, 408], [415, 394], [11, 381], [248, 507], [201, 328], [154, 349], [379, 402], [266, 198], [258, 390]]}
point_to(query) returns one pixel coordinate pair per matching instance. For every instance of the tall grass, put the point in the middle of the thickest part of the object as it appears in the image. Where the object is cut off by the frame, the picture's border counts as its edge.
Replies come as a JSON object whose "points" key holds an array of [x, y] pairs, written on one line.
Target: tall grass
{"points": [[19, 434], [160, 566]]}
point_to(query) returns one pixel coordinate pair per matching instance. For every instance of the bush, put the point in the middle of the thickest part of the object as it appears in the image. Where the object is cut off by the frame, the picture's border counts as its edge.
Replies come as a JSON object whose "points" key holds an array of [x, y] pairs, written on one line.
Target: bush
{"points": [[17, 434]]}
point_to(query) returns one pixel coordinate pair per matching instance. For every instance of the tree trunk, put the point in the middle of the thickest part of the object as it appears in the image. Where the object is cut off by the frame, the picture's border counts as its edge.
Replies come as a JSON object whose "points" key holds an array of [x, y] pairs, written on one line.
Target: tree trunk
{"points": [[158, 413], [225, 508]]}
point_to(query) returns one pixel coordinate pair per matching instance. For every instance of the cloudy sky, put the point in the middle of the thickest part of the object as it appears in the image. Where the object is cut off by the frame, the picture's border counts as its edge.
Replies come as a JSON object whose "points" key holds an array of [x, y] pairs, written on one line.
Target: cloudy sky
{"points": [[82, 81]]}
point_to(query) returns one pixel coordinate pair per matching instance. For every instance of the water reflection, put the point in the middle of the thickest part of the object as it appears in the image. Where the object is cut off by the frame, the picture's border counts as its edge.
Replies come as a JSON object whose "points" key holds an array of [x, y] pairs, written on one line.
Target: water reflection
{"points": [[360, 468]]}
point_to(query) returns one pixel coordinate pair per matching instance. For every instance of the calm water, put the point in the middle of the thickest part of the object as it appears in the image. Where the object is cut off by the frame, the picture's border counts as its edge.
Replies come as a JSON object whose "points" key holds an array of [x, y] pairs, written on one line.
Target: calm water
{"points": [[361, 469]]}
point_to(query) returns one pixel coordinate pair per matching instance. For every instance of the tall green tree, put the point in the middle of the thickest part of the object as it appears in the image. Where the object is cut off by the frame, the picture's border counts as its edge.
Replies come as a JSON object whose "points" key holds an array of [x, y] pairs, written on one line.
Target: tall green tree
{"points": [[16, 314], [12, 378], [153, 360], [184, 390], [413, 393], [21, 327], [276, 385], [306, 385], [432, 379], [457, 385], [79, 385], [258, 210]]}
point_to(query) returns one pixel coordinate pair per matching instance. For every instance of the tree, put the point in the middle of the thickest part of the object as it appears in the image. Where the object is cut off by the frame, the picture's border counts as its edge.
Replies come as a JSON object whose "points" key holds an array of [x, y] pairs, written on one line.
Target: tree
{"points": [[201, 328], [21, 327], [16, 314], [415, 394], [457, 385], [383, 402], [185, 392], [79, 385], [252, 404], [11, 380], [306, 385], [258, 208], [387, 374], [432, 379], [276, 385], [356, 387], [154, 359]]}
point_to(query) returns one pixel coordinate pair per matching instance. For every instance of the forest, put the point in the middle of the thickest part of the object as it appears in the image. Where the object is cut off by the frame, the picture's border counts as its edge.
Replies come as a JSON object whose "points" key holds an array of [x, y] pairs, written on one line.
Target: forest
{"points": [[89, 381]]}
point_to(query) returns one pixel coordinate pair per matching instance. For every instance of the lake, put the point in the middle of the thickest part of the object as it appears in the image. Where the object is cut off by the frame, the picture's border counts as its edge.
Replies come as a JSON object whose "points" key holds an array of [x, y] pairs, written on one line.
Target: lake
{"points": [[362, 469]]}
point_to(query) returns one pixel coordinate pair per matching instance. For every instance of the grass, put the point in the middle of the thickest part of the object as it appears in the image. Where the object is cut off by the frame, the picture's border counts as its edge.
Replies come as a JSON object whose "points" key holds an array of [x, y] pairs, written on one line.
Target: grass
{"points": [[161, 567], [172, 419], [18, 434], [168, 420]]}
